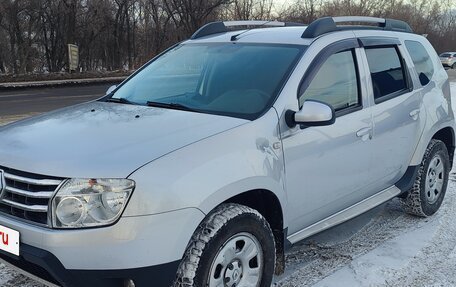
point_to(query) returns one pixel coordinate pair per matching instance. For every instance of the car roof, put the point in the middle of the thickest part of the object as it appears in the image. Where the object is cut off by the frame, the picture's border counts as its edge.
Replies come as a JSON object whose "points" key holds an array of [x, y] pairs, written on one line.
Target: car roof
{"points": [[276, 35], [283, 35], [295, 33]]}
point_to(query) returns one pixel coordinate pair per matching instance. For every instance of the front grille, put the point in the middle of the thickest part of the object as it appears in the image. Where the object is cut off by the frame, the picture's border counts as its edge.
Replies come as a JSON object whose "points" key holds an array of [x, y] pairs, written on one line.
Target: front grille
{"points": [[27, 196]]}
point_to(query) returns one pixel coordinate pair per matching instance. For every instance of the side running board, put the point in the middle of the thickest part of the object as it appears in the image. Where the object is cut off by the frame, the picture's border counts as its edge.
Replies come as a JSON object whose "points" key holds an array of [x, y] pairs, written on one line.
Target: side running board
{"points": [[346, 214]]}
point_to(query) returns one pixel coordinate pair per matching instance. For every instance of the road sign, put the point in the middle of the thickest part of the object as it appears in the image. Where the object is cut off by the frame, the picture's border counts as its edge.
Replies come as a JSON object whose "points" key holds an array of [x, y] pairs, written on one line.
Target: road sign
{"points": [[73, 57]]}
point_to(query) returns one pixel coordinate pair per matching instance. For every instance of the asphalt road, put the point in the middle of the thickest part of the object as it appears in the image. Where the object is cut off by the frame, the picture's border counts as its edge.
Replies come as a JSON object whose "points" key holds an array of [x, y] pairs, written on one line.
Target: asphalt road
{"points": [[452, 75], [39, 100]]}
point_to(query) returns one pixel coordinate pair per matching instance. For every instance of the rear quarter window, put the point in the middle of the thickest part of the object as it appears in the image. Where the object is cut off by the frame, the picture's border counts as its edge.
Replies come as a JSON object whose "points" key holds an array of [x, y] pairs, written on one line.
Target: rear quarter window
{"points": [[422, 61]]}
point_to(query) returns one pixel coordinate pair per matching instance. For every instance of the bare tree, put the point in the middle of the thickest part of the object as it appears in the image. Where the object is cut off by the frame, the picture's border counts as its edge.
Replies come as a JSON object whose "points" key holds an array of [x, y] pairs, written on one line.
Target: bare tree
{"points": [[118, 34], [189, 15], [251, 9]]}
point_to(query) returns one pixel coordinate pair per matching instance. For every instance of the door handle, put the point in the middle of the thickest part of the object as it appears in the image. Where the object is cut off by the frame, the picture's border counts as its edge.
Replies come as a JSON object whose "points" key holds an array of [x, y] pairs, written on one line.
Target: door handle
{"points": [[364, 133], [415, 114]]}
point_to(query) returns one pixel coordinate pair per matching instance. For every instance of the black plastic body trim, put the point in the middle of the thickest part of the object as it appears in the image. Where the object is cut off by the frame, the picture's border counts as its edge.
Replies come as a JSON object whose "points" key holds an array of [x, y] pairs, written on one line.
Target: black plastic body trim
{"points": [[294, 24], [287, 245], [210, 29], [397, 25], [319, 27], [408, 179], [349, 110], [219, 27], [326, 25], [290, 118], [45, 265], [379, 41]]}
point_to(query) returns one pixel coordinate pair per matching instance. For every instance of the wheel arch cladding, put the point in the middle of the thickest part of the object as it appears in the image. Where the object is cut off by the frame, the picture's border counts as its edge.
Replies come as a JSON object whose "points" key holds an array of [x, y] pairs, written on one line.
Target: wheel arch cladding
{"points": [[268, 205], [446, 135]]}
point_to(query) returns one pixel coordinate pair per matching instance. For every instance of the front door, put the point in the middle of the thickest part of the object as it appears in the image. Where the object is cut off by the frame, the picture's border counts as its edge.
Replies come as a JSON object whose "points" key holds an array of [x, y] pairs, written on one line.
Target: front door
{"points": [[327, 168]]}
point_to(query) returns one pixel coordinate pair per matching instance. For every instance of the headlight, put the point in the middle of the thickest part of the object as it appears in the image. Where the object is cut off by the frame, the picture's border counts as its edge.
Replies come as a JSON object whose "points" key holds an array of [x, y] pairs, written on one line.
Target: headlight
{"points": [[90, 202]]}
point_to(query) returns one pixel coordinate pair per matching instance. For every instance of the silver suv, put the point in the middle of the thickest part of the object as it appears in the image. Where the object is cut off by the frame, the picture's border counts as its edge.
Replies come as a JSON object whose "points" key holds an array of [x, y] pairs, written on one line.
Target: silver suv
{"points": [[203, 167], [448, 59]]}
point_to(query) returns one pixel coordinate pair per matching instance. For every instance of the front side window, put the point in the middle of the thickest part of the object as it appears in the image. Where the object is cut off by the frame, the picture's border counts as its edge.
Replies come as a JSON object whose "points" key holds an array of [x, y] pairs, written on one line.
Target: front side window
{"points": [[336, 83], [387, 72], [239, 80], [422, 61]]}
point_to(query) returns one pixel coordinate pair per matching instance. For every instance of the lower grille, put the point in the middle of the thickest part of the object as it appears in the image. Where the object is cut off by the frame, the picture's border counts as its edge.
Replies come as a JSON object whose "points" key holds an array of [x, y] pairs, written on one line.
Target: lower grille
{"points": [[27, 196]]}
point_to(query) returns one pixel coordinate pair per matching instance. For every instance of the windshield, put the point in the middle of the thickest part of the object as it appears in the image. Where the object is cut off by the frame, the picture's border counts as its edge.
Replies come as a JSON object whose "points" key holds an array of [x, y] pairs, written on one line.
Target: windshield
{"points": [[239, 80], [446, 55]]}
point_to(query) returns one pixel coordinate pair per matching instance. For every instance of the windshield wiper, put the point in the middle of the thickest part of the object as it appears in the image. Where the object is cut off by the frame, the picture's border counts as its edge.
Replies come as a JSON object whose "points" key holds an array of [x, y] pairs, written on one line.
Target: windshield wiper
{"points": [[121, 101], [173, 106]]}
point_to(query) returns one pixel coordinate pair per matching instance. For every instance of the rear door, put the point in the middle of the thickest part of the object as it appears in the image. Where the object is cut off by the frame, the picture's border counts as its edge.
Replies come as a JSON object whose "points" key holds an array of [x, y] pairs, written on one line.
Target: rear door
{"points": [[396, 110]]}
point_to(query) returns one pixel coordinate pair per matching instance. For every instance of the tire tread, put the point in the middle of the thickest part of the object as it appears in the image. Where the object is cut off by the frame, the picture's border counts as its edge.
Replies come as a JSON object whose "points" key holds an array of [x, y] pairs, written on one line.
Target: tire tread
{"points": [[214, 222], [412, 203]]}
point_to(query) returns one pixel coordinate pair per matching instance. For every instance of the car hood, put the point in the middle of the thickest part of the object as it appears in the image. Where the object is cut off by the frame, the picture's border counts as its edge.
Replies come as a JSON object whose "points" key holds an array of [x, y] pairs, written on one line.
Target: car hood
{"points": [[98, 139]]}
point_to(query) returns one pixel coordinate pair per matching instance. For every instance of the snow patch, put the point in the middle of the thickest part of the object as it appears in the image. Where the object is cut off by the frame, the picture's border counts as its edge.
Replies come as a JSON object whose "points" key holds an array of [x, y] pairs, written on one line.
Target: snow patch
{"points": [[375, 266]]}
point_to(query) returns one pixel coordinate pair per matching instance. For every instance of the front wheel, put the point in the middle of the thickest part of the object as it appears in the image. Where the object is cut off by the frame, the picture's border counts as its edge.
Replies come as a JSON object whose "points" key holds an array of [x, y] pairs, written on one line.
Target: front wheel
{"points": [[233, 247], [428, 191]]}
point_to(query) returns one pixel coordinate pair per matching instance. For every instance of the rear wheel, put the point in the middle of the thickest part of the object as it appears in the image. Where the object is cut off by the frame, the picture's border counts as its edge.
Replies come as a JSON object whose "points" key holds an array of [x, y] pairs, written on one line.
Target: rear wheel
{"points": [[428, 191], [453, 66], [232, 247]]}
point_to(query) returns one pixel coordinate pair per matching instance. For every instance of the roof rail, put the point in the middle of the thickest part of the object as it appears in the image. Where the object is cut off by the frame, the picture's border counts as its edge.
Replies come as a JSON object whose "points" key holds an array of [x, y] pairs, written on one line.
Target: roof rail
{"points": [[329, 24], [223, 26]]}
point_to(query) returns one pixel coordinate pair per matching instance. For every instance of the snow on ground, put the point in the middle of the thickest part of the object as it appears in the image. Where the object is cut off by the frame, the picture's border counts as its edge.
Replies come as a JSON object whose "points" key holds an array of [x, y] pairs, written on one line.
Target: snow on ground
{"points": [[392, 249], [384, 247]]}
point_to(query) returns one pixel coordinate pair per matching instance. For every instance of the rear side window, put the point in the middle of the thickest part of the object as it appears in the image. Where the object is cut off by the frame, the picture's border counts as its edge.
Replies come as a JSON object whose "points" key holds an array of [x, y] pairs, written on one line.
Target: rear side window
{"points": [[423, 63], [336, 83], [387, 72]]}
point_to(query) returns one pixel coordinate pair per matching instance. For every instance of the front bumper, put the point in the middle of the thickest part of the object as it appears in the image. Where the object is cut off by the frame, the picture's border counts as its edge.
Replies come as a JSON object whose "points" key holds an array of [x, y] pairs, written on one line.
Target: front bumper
{"points": [[46, 266], [144, 248]]}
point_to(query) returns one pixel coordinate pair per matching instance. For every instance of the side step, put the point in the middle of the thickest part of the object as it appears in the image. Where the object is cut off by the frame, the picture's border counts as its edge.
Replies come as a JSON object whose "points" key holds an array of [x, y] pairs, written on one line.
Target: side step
{"points": [[346, 214]]}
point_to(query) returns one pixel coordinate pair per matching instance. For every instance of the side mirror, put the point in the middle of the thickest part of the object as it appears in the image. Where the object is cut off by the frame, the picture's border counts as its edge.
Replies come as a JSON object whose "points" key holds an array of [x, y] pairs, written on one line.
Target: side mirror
{"points": [[313, 113], [111, 88]]}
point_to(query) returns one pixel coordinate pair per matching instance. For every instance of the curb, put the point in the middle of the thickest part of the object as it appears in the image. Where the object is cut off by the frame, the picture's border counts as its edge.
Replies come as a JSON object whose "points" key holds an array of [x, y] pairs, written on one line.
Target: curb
{"points": [[57, 83]]}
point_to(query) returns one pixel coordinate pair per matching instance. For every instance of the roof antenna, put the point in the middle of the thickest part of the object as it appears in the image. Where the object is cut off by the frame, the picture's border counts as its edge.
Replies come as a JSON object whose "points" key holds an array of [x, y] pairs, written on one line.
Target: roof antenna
{"points": [[236, 37]]}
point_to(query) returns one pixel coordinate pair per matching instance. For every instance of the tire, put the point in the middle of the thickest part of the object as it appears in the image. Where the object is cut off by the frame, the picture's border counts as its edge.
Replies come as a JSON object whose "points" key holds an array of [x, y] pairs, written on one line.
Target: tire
{"points": [[453, 66], [428, 191], [230, 227]]}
